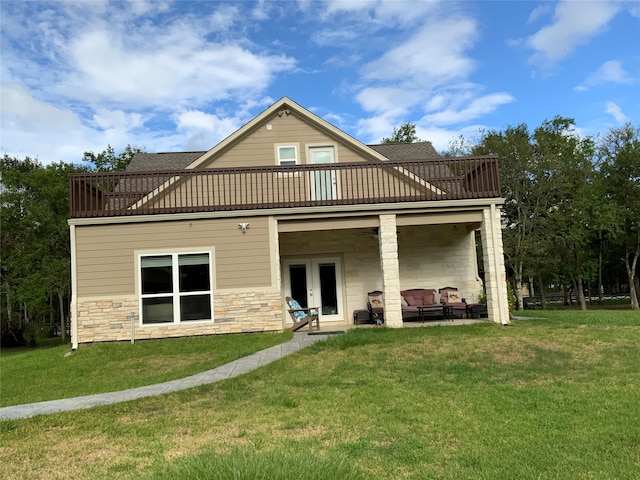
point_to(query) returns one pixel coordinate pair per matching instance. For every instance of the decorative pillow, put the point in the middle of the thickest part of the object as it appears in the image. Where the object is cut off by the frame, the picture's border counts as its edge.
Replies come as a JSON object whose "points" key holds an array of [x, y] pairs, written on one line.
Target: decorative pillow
{"points": [[375, 299], [427, 298], [436, 298], [453, 296], [411, 301], [299, 315], [404, 302]]}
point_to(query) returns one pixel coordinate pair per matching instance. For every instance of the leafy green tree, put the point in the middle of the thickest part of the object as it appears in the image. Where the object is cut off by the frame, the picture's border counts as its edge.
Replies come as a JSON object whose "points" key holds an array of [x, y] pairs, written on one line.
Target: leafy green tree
{"points": [[108, 161], [547, 183], [405, 133], [619, 161], [35, 240], [458, 147], [570, 223], [523, 195]]}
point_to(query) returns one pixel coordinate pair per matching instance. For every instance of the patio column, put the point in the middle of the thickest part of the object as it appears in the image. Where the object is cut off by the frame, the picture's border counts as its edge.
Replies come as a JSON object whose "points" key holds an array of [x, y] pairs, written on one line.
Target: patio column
{"points": [[495, 276], [389, 264]]}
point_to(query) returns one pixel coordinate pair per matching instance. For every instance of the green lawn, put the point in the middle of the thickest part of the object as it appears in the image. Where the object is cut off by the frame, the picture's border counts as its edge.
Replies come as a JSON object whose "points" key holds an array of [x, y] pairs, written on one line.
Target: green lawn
{"points": [[34, 375], [554, 398]]}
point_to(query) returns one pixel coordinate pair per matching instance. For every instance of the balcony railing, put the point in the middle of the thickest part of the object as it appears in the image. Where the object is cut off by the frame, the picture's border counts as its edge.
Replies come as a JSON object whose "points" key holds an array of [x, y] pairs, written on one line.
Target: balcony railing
{"points": [[248, 188]]}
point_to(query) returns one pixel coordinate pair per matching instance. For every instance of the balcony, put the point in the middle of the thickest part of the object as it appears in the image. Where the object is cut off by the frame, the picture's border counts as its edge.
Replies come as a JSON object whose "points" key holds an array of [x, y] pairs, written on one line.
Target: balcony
{"points": [[249, 188]]}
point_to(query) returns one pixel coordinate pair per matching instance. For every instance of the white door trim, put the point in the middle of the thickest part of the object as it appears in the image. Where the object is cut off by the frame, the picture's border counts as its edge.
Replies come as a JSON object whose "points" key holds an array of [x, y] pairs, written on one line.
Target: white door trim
{"points": [[314, 298]]}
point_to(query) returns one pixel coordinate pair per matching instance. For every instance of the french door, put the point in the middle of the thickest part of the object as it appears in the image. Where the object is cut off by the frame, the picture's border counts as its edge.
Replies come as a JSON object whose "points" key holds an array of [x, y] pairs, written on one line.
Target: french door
{"points": [[323, 182], [316, 282]]}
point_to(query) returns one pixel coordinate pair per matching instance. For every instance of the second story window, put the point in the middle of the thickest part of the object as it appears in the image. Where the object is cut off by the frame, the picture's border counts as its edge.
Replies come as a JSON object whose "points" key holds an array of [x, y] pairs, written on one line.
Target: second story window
{"points": [[287, 155]]}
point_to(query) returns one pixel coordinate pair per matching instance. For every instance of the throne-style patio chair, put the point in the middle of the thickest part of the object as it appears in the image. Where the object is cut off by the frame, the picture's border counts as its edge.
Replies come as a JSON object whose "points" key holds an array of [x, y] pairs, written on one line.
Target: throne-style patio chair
{"points": [[303, 316]]}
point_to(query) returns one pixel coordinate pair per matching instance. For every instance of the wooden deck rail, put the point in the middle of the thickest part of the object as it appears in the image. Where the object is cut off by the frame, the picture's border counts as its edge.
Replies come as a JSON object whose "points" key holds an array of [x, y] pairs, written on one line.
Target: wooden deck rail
{"points": [[187, 191]]}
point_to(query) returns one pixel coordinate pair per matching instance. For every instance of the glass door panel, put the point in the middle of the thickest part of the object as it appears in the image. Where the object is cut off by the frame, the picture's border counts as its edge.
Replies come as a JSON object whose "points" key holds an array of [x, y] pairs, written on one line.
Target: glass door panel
{"points": [[315, 282], [298, 283], [328, 288], [323, 182]]}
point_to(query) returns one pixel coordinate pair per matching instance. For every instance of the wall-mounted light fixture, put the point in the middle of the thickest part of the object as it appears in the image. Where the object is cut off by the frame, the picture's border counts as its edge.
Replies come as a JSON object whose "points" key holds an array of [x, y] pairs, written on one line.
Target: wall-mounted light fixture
{"points": [[243, 227]]}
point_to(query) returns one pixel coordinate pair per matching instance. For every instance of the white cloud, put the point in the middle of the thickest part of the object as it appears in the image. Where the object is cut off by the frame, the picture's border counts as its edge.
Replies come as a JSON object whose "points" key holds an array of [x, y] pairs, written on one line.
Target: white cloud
{"points": [[169, 69], [345, 22], [469, 110], [616, 112], [406, 76], [117, 119], [392, 101], [540, 12], [371, 130], [385, 13], [260, 11], [608, 72], [144, 7], [203, 130], [91, 73], [34, 128], [222, 19], [426, 76], [20, 110], [574, 24], [434, 55]]}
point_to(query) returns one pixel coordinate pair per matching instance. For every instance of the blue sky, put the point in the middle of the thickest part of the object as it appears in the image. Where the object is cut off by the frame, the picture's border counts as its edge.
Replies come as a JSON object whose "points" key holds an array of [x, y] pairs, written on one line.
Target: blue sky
{"points": [[181, 76]]}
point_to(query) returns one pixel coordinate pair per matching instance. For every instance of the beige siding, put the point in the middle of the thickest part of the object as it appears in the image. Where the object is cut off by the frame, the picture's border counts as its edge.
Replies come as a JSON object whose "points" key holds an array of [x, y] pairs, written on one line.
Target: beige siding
{"points": [[106, 258], [257, 147]]}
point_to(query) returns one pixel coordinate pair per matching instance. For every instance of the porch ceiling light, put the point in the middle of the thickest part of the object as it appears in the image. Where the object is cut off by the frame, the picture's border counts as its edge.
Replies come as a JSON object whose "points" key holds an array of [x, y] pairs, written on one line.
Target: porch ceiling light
{"points": [[243, 227]]}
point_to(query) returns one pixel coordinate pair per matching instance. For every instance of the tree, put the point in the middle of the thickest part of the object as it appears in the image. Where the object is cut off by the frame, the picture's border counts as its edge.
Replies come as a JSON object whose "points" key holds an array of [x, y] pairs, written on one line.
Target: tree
{"points": [[523, 195], [619, 161], [35, 240], [547, 179], [571, 222], [108, 161], [405, 133], [458, 147]]}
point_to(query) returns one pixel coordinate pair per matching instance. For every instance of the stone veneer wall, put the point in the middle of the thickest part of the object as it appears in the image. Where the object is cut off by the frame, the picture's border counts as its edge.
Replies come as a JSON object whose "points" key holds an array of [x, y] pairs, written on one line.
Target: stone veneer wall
{"points": [[439, 256], [105, 320], [430, 256]]}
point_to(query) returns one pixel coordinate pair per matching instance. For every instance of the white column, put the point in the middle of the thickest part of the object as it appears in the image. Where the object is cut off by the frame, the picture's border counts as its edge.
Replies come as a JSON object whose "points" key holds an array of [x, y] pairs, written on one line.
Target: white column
{"points": [[388, 241], [495, 276], [73, 304]]}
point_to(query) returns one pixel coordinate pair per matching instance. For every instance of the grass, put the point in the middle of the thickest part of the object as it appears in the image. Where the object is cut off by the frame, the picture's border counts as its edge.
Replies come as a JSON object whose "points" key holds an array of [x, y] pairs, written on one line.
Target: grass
{"points": [[549, 398], [34, 375]]}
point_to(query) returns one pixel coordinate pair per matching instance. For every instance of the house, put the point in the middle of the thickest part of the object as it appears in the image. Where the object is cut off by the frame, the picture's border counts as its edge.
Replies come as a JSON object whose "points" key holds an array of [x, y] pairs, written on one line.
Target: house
{"points": [[197, 243]]}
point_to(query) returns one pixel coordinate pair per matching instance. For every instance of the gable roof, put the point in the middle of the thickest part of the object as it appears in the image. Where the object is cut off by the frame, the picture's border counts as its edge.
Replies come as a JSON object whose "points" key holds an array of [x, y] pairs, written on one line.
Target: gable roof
{"points": [[289, 105], [193, 160]]}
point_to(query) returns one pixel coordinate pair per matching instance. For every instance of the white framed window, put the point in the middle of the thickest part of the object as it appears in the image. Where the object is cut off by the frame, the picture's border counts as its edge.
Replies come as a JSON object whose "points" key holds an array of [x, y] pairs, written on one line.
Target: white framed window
{"points": [[175, 288], [287, 154]]}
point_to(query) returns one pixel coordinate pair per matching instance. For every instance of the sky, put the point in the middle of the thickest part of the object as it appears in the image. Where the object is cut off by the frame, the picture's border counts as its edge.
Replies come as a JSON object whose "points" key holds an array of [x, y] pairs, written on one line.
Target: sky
{"points": [[164, 76]]}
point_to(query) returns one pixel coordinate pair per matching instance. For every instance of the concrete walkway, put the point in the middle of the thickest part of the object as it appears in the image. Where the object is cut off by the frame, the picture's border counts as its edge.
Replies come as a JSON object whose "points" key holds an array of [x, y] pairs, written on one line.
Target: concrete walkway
{"points": [[229, 370]]}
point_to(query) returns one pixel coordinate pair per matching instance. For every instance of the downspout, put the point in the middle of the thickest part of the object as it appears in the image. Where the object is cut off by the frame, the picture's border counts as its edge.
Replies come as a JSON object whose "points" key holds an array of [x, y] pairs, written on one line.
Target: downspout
{"points": [[73, 304], [501, 293]]}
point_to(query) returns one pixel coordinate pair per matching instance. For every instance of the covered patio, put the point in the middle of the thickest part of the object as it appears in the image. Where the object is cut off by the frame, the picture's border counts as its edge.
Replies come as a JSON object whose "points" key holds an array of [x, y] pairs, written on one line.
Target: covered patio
{"points": [[355, 255]]}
